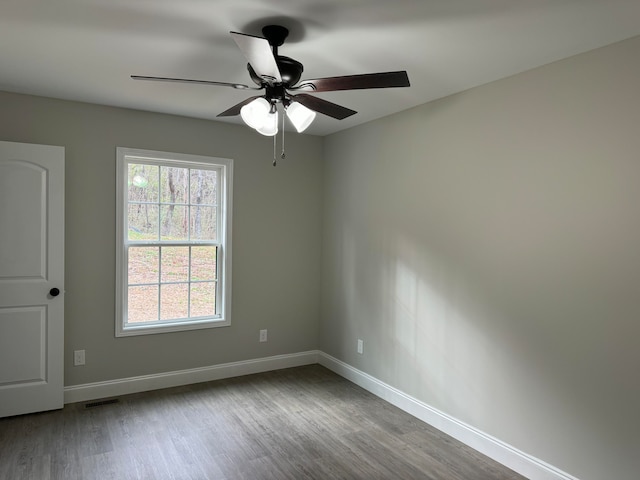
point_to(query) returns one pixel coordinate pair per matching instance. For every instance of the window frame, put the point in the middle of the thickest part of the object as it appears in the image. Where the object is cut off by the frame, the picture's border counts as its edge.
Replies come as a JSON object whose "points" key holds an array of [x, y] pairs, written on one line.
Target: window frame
{"points": [[125, 156]]}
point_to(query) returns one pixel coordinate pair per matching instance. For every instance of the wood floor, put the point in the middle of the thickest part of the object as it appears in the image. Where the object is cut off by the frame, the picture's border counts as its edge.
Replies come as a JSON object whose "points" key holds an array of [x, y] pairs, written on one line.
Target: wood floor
{"points": [[298, 423]]}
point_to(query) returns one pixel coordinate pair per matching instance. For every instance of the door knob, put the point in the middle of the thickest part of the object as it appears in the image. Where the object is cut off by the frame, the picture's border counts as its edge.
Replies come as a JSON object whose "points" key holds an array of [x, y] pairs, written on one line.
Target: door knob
{"points": [[54, 292]]}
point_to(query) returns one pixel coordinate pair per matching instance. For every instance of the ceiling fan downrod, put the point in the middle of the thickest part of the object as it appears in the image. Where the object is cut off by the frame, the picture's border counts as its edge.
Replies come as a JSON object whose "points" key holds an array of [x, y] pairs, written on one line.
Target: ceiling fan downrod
{"points": [[275, 35]]}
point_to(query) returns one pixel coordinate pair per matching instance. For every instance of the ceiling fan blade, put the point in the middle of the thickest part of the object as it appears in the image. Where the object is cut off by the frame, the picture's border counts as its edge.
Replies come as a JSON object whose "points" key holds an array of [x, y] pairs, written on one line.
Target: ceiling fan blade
{"points": [[355, 82], [188, 80], [323, 106], [235, 110], [258, 52]]}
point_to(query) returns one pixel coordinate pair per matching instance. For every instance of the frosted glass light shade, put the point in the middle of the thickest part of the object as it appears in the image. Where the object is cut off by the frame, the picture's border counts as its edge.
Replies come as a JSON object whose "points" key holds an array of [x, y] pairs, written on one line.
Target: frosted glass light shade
{"points": [[270, 125], [255, 113], [300, 116]]}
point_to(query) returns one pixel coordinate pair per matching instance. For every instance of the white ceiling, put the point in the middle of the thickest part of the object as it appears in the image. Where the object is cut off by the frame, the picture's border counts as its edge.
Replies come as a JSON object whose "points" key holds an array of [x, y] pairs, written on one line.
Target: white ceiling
{"points": [[86, 49]]}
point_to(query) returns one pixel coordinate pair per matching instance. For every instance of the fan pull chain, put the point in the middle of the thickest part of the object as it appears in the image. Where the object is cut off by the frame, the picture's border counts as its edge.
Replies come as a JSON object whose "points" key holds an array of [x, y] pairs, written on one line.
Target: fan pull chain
{"points": [[282, 155], [274, 150]]}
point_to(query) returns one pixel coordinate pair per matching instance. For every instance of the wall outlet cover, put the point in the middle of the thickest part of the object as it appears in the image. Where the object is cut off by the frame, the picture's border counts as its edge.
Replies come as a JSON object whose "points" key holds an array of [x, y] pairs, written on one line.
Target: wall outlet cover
{"points": [[78, 357]]}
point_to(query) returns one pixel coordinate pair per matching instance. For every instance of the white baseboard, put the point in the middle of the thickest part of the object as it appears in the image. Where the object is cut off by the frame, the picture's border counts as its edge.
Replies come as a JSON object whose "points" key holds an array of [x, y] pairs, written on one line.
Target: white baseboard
{"points": [[124, 386], [524, 464]]}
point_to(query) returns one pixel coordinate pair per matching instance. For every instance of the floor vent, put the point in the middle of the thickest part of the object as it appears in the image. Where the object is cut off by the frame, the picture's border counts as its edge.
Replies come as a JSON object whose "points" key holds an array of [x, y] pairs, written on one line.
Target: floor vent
{"points": [[101, 403]]}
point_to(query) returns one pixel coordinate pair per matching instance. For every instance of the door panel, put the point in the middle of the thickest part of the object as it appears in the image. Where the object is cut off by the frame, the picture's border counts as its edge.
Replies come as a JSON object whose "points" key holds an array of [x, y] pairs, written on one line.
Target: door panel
{"points": [[23, 253], [31, 263], [24, 332]]}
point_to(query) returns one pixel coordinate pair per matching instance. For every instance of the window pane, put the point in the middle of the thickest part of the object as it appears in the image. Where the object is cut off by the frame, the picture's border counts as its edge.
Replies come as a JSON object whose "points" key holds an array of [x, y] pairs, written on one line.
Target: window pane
{"points": [[203, 187], [174, 299], [203, 263], [203, 299], [143, 222], [143, 183], [174, 223], [143, 265], [203, 223], [175, 264], [173, 184], [143, 304]]}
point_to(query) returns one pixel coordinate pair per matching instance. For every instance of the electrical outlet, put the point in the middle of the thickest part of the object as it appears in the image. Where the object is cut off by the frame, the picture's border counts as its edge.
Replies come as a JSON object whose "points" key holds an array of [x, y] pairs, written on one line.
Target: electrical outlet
{"points": [[263, 335], [78, 357], [360, 346]]}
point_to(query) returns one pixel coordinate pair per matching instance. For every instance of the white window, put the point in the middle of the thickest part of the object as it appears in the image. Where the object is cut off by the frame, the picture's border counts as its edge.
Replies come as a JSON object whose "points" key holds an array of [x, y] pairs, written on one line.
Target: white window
{"points": [[173, 245]]}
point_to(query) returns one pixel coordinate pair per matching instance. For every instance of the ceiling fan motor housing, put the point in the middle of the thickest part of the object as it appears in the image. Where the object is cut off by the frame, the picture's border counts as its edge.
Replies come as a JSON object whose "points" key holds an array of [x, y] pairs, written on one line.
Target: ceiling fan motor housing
{"points": [[290, 71]]}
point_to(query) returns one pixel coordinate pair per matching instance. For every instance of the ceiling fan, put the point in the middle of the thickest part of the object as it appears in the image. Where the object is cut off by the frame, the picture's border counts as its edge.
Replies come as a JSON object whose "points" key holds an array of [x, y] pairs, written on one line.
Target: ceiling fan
{"points": [[279, 77]]}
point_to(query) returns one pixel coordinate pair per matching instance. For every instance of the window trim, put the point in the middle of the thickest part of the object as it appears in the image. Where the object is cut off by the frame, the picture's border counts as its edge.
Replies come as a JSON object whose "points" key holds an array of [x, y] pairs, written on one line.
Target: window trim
{"points": [[125, 155]]}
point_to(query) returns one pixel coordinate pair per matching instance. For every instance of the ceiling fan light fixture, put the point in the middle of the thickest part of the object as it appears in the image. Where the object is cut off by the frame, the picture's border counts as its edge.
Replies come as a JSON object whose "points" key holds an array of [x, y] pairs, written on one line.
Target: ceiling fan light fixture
{"points": [[270, 126], [301, 117], [256, 113]]}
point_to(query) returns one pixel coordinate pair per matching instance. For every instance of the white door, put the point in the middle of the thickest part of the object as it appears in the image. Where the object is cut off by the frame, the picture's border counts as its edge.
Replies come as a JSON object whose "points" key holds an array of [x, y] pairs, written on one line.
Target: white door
{"points": [[31, 269]]}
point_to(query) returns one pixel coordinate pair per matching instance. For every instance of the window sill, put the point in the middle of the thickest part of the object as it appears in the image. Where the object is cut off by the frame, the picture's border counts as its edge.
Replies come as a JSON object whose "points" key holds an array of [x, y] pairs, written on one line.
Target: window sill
{"points": [[169, 327]]}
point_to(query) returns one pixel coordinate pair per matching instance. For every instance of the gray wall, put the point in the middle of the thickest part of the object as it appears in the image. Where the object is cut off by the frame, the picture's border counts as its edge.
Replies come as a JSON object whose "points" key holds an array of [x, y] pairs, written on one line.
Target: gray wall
{"points": [[276, 235], [486, 248]]}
